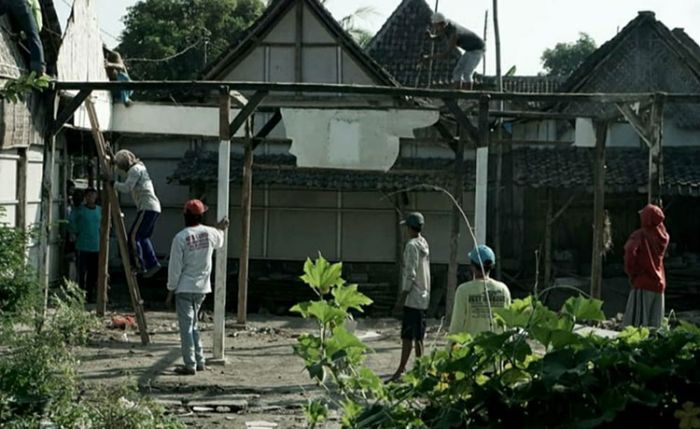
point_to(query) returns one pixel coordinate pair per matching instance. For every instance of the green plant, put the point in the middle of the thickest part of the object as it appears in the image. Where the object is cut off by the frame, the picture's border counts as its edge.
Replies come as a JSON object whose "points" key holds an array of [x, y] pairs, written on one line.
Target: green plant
{"points": [[536, 372], [16, 90], [69, 321], [20, 290]]}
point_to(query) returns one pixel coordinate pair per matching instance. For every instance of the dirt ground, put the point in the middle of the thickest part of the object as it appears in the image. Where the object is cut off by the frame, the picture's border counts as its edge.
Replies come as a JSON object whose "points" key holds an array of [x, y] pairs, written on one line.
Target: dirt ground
{"points": [[262, 380]]}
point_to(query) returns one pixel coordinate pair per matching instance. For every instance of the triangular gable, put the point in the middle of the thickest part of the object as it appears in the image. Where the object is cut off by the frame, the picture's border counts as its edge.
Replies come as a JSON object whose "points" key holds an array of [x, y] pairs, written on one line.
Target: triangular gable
{"points": [[616, 48], [270, 41], [402, 40]]}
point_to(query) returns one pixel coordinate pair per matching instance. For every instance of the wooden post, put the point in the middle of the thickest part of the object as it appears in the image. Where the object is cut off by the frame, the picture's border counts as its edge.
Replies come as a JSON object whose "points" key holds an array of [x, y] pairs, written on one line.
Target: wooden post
{"points": [[222, 210], [103, 261], [482, 171], [432, 52], [22, 168], [548, 240], [47, 217], [656, 175], [246, 202], [119, 227], [458, 194], [601, 129]]}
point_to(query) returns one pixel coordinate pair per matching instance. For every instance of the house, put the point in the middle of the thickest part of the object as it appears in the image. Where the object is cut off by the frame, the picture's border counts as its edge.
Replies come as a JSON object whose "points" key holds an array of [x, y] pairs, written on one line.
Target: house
{"points": [[22, 133], [298, 212], [646, 56]]}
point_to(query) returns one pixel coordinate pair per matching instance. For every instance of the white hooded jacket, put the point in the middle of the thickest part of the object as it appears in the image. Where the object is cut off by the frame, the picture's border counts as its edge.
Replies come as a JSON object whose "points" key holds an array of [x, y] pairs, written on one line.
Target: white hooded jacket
{"points": [[416, 273]]}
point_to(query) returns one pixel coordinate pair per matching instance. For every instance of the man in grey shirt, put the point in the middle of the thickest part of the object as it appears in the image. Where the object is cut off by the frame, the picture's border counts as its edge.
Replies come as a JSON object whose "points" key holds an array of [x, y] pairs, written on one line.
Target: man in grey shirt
{"points": [[457, 36], [415, 291]]}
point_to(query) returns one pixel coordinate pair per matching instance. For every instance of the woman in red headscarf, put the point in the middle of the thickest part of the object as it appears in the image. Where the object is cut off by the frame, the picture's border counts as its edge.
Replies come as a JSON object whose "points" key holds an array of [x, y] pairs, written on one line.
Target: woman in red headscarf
{"points": [[644, 264]]}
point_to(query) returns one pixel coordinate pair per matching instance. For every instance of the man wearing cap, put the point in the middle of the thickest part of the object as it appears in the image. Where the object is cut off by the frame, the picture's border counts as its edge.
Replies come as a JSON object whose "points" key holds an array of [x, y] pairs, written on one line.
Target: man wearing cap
{"points": [[415, 291], [189, 273], [474, 301], [458, 37]]}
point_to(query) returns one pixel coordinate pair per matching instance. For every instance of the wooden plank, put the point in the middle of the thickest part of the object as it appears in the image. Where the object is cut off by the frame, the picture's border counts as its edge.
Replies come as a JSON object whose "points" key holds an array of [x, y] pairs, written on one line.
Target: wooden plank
{"points": [[245, 113], [22, 169], [222, 210], [656, 174], [267, 129], [246, 203], [65, 114], [598, 210], [47, 191], [119, 227], [103, 258]]}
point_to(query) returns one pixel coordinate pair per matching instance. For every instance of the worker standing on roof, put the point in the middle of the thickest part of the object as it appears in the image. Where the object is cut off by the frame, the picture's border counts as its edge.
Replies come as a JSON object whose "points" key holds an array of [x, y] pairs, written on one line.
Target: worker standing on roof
{"points": [[28, 19], [139, 184], [458, 37]]}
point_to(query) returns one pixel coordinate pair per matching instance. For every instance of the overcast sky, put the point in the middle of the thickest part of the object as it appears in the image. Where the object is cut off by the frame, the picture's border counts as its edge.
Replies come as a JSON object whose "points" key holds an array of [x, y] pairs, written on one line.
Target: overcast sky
{"points": [[527, 26]]}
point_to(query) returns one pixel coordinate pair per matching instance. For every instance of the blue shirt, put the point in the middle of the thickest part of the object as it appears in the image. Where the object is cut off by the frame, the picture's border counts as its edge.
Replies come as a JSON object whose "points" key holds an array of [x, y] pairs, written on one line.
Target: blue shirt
{"points": [[84, 223]]}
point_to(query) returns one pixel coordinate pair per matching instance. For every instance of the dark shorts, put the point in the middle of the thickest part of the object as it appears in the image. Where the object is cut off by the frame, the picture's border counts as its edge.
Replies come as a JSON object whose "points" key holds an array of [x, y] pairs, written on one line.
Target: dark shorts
{"points": [[413, 324]]}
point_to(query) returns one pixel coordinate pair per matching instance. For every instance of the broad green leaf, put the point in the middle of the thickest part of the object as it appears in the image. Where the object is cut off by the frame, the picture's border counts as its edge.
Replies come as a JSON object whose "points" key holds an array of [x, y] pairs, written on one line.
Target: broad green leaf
{"points": [[349, 297], [344, 344], [326, 313], [315, 411], [322, 275], [308, 347], [460, 338], [301, 308], [584, 309], [517, 314], [634, 335], [561, 338], [515, 376]]}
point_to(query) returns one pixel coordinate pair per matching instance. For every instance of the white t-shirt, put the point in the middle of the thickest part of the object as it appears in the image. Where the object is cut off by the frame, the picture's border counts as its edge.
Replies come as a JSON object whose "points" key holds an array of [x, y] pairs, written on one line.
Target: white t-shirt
{"points": [[139, 183], [189, 269]]}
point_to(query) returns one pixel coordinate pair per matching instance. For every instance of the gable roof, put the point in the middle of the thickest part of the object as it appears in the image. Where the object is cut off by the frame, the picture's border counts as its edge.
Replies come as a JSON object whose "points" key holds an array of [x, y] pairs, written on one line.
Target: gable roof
{"points": [[581, 76], [644, 57], [247, 41], [402, 40]]}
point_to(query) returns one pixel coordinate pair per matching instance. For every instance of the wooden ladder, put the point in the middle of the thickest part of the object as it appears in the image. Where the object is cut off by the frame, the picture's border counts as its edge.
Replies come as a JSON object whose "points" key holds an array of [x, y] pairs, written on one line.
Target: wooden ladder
{"points": [[103, 155]]}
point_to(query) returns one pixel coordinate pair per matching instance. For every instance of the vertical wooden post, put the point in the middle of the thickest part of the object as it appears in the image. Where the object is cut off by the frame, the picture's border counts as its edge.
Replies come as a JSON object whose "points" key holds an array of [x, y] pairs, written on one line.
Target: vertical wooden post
{"points": [[222, 210], [298, 41], [549, 221], [601, 130], [456, 220], [246, 202], [656, 175], [482, 171], [103, 258], [47, 205], [22, 168]]}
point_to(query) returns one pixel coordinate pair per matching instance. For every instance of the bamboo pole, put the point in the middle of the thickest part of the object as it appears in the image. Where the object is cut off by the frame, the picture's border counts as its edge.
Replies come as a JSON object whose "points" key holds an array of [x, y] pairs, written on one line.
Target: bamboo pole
{"points": [[598, 210], [549, 223], [222, 210], [498, 216], [656, 128]]}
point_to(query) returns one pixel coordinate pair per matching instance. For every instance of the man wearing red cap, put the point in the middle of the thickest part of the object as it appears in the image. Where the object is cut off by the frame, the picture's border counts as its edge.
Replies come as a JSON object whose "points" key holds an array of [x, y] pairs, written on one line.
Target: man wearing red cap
{"points": [[189, 272], [644, 264]]}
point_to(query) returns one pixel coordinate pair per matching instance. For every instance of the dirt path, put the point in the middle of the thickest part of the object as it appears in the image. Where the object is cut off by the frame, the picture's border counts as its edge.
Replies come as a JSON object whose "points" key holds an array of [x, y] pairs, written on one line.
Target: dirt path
{"points": [[262, 380]]}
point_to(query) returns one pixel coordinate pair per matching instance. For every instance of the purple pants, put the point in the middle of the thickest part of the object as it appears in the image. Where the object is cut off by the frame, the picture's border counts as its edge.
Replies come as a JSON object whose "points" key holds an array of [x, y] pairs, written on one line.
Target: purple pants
{"points": [[142, 253]]}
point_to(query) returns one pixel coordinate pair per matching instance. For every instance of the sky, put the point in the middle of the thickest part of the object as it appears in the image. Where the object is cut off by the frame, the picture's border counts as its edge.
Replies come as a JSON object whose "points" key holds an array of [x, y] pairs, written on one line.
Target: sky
{"points": [[528, 27]]}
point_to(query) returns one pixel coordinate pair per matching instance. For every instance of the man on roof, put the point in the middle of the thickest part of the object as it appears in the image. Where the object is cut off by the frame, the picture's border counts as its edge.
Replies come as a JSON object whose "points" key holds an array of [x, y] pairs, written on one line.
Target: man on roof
{"points": [[471, 45]]}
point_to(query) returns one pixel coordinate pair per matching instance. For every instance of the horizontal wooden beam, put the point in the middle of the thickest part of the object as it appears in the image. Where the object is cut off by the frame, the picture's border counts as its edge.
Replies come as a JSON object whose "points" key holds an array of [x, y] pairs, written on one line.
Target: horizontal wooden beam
{"points": [[194, 86]]}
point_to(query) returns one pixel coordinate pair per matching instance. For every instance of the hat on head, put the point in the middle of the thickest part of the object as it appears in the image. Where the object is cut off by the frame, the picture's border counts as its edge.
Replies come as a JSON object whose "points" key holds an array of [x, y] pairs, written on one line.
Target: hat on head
{"points": [[125, 159], [482, 254], [414, 220], [437, 18], [195, 207]]}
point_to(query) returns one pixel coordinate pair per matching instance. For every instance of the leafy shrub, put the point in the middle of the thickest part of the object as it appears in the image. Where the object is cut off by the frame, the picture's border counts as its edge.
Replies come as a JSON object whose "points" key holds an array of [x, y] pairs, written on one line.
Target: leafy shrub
{"points": [[69, 321], [498, 380], [20, 290]]}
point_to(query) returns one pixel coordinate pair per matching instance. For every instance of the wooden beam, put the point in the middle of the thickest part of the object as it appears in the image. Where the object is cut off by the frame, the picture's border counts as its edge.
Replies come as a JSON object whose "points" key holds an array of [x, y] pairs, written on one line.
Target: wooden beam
{"points": [[462, 119], [119, 227], [656, 162], [222, 211], [47, 215], [388, 91], [298, 40], [246, 203], [103, 258], [22, 170], [266, 129], [598, 210], [482, 172], [65, 114], [243, 115], [636, 122]]}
